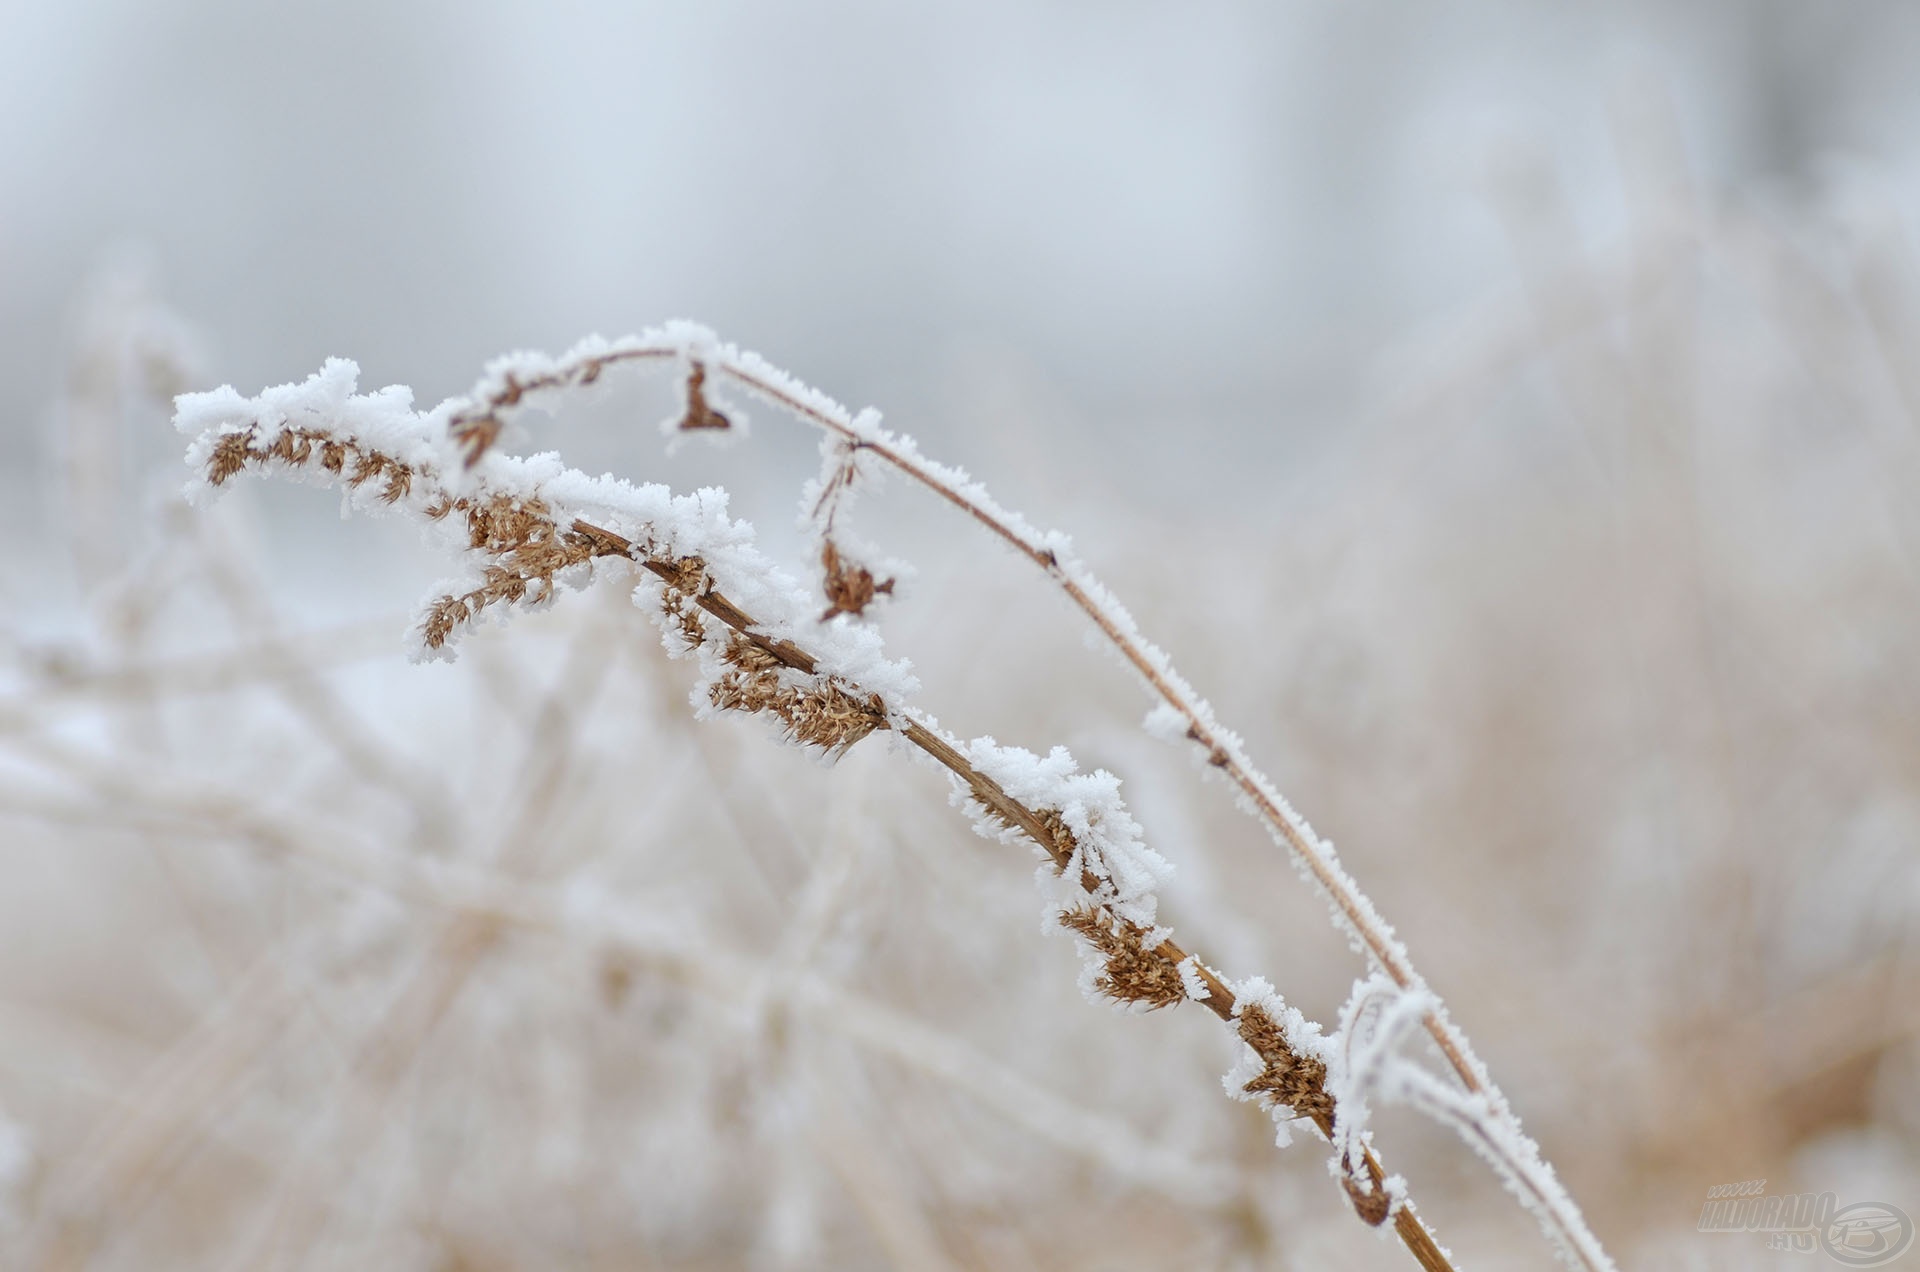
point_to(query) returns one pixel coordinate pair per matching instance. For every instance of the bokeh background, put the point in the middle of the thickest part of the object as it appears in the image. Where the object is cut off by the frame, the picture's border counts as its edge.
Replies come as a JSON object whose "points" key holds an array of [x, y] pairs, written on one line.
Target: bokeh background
{"points": [[1508, 415]]}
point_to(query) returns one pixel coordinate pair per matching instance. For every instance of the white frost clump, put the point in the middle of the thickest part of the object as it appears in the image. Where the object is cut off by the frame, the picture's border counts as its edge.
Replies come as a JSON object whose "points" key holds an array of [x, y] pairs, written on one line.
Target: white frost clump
{"points": [[1108, 844], [1166, 722], [1189, 968], [650, 515], [384, 420]]}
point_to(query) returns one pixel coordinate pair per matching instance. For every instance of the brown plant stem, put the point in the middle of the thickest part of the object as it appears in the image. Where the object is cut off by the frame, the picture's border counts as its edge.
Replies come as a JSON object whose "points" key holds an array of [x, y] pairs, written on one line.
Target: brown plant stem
{"points": [[528, 549], [1220, 999], [478, 429]]}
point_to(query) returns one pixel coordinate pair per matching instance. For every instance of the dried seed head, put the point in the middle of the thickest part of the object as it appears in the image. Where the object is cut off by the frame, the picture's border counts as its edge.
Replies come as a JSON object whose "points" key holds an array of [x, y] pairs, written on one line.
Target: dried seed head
{"points": [[230, 455], [475, 435], [527, 547], [1298, 1082], [686, 574], [1371, 1205], [693, 629], [826, 715], [850, 587], [1063, 841], [295, 447], [366, 464], [748, 655], [833, 718], [1132, 973], [752, 694], [699, 414], [502, 523], [442, 617], [820, 712]]}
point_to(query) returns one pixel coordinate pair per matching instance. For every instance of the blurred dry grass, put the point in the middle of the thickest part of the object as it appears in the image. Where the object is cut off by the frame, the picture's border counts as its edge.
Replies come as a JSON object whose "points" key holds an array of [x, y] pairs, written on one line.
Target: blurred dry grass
{"points": [[1594, 650]]}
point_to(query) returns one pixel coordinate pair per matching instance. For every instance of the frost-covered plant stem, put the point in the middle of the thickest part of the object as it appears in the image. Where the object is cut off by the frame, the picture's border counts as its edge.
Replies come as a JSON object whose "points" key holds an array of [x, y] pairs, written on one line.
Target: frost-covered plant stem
{"points": [[510, 380], [528, 526], [1180, 711]]}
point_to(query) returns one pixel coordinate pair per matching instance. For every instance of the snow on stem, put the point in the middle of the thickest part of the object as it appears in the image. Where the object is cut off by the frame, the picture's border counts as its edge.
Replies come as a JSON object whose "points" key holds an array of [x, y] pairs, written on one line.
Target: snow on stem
{"points": [[1181, 711], [528, 526]]}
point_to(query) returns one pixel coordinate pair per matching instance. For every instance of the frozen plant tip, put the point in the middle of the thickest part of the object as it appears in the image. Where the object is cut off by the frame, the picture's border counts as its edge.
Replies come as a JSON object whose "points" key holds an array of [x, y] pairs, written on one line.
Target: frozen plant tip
{"points": [[800, 657]]}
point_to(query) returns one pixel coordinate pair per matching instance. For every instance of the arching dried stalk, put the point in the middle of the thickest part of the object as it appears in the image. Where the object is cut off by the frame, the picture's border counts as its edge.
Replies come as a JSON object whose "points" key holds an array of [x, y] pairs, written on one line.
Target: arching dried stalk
{"points": [[528, 527]]}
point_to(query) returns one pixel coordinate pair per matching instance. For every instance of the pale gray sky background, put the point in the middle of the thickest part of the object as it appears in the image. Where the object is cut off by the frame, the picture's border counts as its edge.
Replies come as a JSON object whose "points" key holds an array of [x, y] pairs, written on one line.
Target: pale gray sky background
{"points": [[1197, 228]]}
